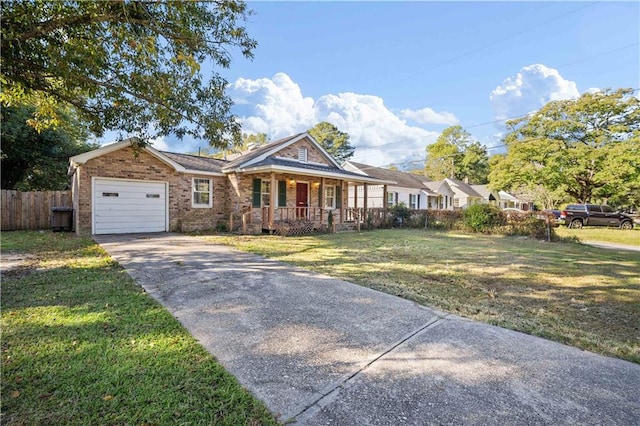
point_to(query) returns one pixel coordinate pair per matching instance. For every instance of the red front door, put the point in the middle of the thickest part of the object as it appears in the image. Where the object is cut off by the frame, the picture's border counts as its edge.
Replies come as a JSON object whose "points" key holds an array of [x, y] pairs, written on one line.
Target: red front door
{"points": [[302, 199]]}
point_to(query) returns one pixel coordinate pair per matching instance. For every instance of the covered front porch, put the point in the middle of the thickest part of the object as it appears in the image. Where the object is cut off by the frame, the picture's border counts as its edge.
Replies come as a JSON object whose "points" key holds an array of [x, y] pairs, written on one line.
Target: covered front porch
{"points": [[293, 204]]}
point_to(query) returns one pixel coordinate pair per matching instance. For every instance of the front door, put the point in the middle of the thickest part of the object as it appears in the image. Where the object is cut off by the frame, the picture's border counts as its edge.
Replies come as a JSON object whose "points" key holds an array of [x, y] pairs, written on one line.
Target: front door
{"points": [[302, 199]]}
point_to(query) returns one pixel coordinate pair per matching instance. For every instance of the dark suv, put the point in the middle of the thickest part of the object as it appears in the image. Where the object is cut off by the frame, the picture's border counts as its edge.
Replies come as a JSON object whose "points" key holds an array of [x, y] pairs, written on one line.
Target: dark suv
{"points": [[579, 215]]}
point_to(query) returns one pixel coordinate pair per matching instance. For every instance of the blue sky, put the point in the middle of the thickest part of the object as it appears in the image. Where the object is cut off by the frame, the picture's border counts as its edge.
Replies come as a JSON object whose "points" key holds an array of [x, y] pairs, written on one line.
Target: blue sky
{"points": [[395, 74]]}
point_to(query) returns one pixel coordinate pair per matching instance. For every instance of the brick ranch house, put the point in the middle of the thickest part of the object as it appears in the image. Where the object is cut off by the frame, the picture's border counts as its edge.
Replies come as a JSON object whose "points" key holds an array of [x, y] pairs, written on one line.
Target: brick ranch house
{"points": [[289, 184]]}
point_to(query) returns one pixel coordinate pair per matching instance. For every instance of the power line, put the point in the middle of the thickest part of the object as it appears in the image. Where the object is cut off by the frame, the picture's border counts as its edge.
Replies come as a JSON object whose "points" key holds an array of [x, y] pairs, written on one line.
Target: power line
{"points": [[496, 42]]}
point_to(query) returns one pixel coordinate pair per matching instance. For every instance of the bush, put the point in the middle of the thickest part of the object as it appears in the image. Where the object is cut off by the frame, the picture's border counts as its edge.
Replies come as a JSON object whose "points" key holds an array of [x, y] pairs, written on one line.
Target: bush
{"points": [[529, 224], [482, 217], [400, 214], [222, 226]]}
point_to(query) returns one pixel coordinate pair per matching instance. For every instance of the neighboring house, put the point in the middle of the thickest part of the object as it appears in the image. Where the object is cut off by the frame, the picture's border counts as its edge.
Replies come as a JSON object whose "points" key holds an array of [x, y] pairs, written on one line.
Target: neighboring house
{"points": [[444, 195], [406, 188], [120, 189], [464, 195], [500, 199]]}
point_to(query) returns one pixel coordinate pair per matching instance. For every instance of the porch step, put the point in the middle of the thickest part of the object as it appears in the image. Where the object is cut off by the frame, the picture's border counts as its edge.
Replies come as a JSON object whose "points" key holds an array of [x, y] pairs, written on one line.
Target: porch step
{"points": [[345, 227]]}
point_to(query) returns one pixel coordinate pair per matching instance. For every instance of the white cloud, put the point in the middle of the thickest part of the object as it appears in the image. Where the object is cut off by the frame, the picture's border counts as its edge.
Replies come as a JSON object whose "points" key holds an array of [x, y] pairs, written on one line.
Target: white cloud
{"points": [[530, 89], [278, 108], [429, 116], [160, 144]]}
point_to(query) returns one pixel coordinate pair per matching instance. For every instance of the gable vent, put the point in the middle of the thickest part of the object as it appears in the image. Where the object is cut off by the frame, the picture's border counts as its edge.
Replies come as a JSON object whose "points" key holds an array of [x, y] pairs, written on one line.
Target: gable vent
{"points": [[302, 155]]}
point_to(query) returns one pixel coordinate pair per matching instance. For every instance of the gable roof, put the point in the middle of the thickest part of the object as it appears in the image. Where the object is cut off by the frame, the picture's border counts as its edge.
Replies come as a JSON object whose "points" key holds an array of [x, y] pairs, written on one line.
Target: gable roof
{"points": [[249, 158], [194, 162], [485, 192], [208, 166], [463, 187]]}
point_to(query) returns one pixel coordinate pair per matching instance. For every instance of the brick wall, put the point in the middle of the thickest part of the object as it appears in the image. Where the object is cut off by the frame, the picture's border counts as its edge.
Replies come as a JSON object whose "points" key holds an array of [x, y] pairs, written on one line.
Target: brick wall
{"points": [[313, 154], [123, 165]]}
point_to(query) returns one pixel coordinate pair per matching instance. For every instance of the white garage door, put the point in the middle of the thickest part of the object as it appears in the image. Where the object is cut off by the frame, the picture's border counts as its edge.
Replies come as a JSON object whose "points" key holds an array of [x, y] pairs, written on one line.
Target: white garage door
{"points": [[127, 206]]}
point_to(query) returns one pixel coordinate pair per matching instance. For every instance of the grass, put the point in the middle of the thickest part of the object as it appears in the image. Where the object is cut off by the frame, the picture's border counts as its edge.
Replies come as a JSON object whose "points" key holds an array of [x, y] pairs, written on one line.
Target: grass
{"points": [[82, 344], [568, 292], [601, 234]]}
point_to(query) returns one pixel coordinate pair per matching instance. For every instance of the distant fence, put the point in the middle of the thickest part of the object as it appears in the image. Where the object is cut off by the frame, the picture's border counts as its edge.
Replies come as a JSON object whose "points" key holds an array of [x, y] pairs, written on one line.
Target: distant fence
{"points": [[31, 210]]}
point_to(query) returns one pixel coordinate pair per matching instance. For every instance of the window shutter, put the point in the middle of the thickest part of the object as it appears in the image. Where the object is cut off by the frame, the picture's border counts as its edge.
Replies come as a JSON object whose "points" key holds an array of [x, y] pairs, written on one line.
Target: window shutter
{"points": [[257, 187], [321, 196], [418, 203], [282, 193], [339, 196]]}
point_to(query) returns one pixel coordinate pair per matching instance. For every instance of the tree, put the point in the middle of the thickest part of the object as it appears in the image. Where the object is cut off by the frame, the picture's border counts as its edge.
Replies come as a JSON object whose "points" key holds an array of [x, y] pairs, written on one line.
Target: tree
{"points": [[38, 161], [587, 148], [332, 140], [456, 155], [130, 65]]}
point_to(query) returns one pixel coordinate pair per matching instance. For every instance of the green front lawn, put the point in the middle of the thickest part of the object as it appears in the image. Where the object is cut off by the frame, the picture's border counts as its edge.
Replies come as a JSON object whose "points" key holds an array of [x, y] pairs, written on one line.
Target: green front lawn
{"points": [[601, 234], [82, 345], [571, 293]]}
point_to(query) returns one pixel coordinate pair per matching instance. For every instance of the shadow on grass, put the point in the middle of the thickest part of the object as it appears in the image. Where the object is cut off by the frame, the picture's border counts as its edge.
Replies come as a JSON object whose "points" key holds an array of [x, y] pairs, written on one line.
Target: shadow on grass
{"points": [[85, 345]]}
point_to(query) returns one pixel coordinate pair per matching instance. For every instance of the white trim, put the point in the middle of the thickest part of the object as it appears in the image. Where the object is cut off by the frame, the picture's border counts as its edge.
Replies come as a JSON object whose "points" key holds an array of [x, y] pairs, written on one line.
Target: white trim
{"points": [[324, 196], [315, 173], [93, 198], [193, 191], [81, 159], [275, 149]]}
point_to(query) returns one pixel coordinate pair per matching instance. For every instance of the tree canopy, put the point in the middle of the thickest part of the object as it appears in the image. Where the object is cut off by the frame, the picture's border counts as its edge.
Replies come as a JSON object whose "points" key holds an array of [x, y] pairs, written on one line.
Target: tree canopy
{"points": [[587, 149], [455, 154], [38, 161], [131, 66], [334, 141]]}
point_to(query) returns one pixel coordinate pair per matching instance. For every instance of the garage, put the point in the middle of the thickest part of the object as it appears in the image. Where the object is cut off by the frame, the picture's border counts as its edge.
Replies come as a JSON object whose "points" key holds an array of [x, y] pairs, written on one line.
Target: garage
{"points": [[127, 206]]}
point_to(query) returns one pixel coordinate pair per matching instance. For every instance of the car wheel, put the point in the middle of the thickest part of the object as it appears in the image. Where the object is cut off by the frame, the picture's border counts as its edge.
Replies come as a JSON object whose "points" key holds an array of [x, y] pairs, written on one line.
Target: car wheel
{"points": [[626, 225], [575, 224]]}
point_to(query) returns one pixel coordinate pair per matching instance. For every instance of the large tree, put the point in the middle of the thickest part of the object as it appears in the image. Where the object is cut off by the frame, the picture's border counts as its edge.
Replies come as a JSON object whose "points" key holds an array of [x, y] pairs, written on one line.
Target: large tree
{"points": [[332, 140], [455, 154], [38, 161], [128, 65], [587, 148]]}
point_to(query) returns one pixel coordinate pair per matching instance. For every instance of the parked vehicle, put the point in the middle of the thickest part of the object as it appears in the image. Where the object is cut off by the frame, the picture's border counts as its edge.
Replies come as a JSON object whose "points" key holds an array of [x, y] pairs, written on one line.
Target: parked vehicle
{"points": [[578, 215]]}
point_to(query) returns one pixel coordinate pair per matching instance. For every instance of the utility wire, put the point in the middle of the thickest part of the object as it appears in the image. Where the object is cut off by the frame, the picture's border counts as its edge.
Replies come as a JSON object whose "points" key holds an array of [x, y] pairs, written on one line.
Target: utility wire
{"points": [[470, 52]]}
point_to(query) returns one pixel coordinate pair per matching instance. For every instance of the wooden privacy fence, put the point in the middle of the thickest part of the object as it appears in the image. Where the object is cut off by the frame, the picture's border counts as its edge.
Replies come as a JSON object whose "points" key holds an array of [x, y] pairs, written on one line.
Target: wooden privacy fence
{"points": [[31, 210]]}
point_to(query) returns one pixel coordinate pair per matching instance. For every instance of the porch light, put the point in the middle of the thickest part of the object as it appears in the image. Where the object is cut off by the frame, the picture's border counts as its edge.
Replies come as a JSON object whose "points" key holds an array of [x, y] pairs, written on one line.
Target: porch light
{"points": [[316, 184], [291, 183]]}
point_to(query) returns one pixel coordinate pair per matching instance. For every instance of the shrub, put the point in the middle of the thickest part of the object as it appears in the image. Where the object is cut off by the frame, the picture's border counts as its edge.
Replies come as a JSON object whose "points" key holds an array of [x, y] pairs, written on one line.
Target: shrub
{"points": [[400, 214], [482, 217], [222, 226]]}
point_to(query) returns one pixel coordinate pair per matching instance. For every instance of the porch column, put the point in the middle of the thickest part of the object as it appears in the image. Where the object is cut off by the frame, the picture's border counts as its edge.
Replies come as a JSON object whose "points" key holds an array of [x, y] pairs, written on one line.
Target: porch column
{"points": [[273, 199], [342, 199], [366, 198], [355, 196], [321, 199]]}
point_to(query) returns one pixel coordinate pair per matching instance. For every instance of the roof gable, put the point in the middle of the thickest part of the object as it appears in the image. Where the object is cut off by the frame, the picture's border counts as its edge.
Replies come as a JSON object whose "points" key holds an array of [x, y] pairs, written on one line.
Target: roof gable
{"points": [[179, 162], [260, 154], [463, 187]]}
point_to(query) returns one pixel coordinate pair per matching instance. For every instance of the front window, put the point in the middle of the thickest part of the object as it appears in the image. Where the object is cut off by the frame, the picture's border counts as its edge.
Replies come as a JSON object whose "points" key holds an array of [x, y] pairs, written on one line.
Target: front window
{"points": [[202, 193], [265, 192], [330, 197], [390, 198], [413, 198]]}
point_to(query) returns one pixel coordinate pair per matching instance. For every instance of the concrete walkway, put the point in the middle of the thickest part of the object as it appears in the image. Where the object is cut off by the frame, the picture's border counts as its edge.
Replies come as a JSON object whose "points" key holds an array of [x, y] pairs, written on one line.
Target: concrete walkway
{"points": [[320, 351]]}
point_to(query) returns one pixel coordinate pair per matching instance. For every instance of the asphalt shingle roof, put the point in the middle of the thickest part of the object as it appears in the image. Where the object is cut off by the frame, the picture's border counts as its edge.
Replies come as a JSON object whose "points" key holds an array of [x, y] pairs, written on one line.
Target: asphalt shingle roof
{"points": [[403, 179], [193, 162]]}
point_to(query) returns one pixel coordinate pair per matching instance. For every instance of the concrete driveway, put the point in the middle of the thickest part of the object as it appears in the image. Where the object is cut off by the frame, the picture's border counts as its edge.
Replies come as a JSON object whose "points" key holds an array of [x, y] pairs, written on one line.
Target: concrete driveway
{"points": [[321, 351]]}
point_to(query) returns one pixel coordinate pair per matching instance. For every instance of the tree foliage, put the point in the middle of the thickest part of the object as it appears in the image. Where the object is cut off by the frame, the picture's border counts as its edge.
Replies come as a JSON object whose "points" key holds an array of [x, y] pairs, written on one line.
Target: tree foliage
{"points": [[457, 155], [332, 140], [38, 161], [587, 149], [132, 66]]}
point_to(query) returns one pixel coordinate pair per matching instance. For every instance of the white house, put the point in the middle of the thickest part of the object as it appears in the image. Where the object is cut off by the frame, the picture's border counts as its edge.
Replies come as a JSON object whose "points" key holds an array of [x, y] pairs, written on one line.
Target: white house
{"points": [[407, 188]]}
